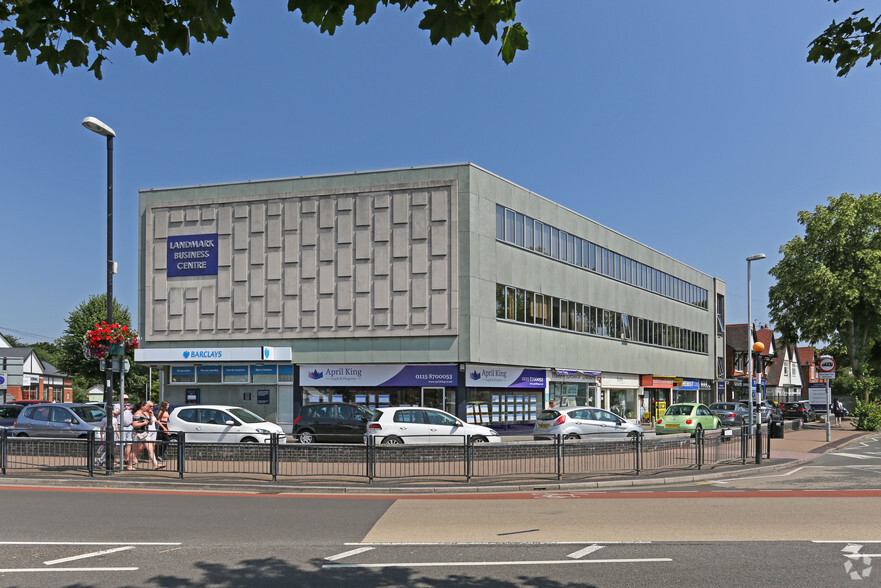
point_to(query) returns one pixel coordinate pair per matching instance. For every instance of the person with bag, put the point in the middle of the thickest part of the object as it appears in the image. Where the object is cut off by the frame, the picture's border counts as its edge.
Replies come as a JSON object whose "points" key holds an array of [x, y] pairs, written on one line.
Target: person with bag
{"points": [[837, 410], [141, 420], [162, 436]]}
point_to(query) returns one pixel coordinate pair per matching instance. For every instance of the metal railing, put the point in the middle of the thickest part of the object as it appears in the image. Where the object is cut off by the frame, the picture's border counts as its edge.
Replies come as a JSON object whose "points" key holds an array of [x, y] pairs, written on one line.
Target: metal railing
{"points": [[190, 454]]}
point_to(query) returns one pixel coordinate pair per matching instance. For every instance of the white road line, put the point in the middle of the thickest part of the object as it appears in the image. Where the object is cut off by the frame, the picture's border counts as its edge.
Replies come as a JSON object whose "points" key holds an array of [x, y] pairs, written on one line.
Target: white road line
{"points": [[845, 541], [506, 543], [759, 477], [32, 570], [582, 552], [855, 455], [81, 543], [349, 553], [85, 555], [434, 564]]}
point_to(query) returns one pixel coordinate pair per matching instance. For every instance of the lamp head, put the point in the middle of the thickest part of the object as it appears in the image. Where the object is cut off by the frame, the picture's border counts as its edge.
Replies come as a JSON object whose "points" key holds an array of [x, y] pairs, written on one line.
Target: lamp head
{"points": [[96, 126], [756, 257]]}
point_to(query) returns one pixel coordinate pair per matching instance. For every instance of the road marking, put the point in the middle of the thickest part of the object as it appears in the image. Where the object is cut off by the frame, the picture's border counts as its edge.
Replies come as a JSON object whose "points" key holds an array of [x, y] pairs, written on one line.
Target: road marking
{"points": [[856, 455], [758, 477], [434, 564], [85, 555], [349, 553], [81, 543], [504, 543], [31, 570], [582, 552]]}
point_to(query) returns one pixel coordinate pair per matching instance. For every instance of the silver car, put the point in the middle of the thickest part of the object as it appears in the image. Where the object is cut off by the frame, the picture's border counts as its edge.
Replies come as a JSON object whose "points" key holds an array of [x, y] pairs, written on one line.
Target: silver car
{"points": [[582, 422], [58, 420]]}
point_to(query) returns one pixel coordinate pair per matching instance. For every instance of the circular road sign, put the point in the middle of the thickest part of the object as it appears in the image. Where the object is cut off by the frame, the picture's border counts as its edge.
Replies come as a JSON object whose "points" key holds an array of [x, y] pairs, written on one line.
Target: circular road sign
{"points": [[827, 364]]}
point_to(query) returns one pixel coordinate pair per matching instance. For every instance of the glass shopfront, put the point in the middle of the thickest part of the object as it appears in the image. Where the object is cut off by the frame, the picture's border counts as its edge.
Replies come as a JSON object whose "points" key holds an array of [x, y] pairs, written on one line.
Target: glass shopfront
{"points": [[573, 388], [621, 394], [505, 398], [379, 386]]}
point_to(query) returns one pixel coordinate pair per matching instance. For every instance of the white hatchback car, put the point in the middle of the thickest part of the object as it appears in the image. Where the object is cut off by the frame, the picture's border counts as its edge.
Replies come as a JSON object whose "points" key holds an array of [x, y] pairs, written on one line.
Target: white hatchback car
{"points": [[209, 423], [414, 425], [582, 422]]}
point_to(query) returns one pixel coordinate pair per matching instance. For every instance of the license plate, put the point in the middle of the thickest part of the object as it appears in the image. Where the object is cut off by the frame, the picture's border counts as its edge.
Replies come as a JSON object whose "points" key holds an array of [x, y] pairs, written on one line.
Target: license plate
{"points": [[672, 426], [542, 426]]}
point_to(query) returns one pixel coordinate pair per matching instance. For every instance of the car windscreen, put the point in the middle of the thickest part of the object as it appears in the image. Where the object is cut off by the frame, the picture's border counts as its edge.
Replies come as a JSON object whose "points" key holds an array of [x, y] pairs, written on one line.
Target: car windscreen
{"points": [[548, 415], [376, 416], [246, 416], [368, 414], [9, 412], [90, 414], [679, 410]]}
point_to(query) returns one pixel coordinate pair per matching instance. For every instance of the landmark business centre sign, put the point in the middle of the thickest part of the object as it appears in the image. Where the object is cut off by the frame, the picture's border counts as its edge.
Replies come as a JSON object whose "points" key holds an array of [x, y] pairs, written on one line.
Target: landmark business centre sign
{"points": [[192, 255]]}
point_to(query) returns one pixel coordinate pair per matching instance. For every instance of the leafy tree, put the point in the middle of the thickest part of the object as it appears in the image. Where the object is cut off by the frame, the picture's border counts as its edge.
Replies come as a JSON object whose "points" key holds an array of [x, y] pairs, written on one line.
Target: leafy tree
{"points": [[829, 281], [66, 32], [847, 42], [82, 319], [13, 340]]}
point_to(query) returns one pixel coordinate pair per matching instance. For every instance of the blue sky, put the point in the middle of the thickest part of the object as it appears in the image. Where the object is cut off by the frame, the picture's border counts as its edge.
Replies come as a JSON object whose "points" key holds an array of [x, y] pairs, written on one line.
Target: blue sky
{"points": [[694, 127]]}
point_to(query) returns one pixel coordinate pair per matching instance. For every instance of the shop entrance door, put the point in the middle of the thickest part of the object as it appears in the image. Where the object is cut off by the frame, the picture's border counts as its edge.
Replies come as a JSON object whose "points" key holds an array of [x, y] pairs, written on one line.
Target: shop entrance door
{"points": [[433, 398]]}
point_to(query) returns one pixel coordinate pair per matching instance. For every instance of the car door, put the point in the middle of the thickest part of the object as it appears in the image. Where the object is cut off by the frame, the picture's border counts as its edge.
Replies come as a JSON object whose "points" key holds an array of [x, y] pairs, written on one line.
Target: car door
{"points": [[444, 428], [582, 423], [60, 422], [352, 423], [705, 417], [410, 425], [212, 427], [608, 424]]}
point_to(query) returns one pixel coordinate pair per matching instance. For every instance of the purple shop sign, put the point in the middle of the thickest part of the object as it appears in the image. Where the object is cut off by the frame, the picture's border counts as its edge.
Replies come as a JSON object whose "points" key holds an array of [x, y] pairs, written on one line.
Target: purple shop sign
{"points": [[483, 376]]}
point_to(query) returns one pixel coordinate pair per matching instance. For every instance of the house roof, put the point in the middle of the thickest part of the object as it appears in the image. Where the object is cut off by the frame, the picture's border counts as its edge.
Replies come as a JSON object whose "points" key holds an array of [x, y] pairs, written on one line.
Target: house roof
{"points": [[806, 355], [735, 336], [21, 352], [766, 337]]}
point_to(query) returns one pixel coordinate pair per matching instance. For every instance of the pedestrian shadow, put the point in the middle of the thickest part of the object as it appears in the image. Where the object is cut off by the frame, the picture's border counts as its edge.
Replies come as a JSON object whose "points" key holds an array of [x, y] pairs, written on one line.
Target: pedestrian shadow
{"points": [[270, 572]]}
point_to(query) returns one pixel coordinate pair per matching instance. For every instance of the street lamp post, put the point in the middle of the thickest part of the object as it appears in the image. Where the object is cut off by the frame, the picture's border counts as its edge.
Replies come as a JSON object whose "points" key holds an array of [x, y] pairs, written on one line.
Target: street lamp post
{"points": [[96, 126], [749, 334]]}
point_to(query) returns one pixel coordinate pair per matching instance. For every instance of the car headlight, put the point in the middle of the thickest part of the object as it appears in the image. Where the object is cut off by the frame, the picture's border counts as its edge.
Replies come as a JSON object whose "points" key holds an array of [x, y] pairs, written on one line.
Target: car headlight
{"points": [[493, 433], [264, 432]]}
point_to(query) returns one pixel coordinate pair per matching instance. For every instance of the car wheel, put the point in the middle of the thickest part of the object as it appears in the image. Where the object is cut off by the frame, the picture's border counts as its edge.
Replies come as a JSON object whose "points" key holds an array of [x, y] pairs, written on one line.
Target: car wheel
{"points": [[632, 435], [21, 435], [478, 440], [306, 437], [392, 441], [83, 437], [248, 440], [698, 430], [571, 437]]}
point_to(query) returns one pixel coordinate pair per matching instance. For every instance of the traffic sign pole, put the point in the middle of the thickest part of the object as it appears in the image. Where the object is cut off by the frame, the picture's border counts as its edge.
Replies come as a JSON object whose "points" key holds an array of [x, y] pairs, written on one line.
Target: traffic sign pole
{"points": [[826, 367]]}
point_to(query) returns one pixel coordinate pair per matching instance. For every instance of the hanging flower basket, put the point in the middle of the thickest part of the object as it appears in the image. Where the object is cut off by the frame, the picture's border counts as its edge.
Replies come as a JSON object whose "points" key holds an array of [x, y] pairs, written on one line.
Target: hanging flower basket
{"points": [[107, 340]]}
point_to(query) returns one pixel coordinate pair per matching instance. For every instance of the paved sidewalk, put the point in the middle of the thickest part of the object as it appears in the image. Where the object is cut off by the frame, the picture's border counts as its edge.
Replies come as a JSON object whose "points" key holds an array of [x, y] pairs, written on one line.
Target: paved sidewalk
{"points": [[798, 446]]}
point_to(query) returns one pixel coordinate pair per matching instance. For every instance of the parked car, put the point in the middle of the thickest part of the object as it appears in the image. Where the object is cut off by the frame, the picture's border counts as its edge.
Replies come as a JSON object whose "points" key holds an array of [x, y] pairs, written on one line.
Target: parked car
{"points": [[8, 414], [333, 421], [414, 425], [57, 420], [687, 417], [732, 414], [27, 402], [210, 423], [766, 408], [799, 410], [582, 422]]}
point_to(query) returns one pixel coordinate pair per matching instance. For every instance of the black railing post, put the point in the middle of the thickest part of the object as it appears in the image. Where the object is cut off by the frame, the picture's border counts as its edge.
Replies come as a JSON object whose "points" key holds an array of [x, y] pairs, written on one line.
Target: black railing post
{"points": [[273, 456], [558, 451], [699, 447], [4, 449], [744, 443], [181, 454], [90, 453], [468, 457], [638, 440], [370, 457], [759, 444]]}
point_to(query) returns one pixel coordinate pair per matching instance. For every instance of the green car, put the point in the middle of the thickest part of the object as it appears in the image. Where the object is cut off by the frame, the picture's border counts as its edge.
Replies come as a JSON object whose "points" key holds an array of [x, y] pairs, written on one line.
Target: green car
{"points": [[687, 417]]}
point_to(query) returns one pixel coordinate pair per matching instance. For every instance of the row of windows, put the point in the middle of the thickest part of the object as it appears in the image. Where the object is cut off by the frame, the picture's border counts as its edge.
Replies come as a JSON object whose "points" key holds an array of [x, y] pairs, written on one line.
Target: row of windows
{"points": [[532, 308], [523, 231]]}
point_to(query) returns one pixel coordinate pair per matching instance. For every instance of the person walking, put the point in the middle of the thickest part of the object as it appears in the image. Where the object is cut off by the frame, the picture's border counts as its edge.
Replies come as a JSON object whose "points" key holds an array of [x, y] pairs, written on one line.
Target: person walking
{"points": [[837, 410], [141, 419], [162, 430]]}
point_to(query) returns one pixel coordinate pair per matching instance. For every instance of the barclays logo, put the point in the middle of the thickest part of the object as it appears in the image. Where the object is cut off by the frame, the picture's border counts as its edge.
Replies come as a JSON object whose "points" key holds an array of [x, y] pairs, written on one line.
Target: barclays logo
{"points": [[265, 353], [186, 354]]}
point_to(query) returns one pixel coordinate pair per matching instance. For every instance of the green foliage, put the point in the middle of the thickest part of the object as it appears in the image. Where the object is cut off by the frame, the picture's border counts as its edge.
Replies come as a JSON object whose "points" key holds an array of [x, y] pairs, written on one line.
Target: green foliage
{"points": [[70, 33], [70, 345], [829, 280], [847, 42], [867, 416]]}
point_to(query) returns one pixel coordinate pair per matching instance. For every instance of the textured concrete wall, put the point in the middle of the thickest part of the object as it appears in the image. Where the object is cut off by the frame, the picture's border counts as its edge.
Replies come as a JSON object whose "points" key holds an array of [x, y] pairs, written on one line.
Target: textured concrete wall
{"points": [[316, 265]]}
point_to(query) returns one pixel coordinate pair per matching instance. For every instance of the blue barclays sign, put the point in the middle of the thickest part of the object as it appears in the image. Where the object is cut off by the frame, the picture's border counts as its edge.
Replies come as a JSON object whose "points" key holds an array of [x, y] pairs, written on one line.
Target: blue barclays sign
{"points": [[192, 255]]}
